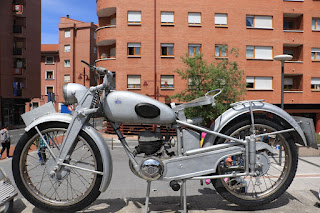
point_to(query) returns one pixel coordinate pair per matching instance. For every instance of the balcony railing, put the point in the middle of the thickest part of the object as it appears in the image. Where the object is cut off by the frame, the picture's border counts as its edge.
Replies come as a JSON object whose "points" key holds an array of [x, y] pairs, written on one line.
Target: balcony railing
{"points": [[17, 29], [17, 51]]}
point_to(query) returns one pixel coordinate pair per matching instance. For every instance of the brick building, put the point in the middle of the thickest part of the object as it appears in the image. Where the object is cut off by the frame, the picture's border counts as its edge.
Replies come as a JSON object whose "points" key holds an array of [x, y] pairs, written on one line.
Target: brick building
{"points": [[142, 42], [20, 40], [60, 63]]}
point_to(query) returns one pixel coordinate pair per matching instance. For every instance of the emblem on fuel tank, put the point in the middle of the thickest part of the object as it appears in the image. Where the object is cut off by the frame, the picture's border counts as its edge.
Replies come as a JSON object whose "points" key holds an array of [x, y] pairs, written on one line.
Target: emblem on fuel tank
{"points": [[118, 101]]}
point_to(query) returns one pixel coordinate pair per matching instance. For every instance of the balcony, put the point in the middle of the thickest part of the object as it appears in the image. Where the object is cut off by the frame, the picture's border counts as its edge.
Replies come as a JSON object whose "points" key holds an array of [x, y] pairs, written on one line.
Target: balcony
{"points": [[293, 22], [296, 50], [293, 83]]}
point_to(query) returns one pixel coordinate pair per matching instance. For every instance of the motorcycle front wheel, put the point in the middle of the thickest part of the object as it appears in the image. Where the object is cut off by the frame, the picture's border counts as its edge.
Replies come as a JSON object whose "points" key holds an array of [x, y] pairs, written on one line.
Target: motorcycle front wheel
{"points": [[74, 189], [278, 168]]}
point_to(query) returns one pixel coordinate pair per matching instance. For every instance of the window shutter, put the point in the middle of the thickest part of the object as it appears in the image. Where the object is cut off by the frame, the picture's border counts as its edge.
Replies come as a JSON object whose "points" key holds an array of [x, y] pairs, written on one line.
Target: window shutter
{"points": [[315, 81], [166, 45], [194, 18], [134, 45], [315, 50], [134, 16], [250, 79], [263, 52], [288, 81], [263, 21], [220, 19], [263, 83], [167, 17], [134, 79], [167, 79]]}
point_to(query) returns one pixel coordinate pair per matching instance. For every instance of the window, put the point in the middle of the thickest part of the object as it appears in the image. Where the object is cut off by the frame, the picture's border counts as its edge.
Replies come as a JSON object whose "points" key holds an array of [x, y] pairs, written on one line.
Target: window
{"points": [[315, 83], [49, 75], [315, 23], [49, 60], [134, 81], [167, 18], [259, 22], [288, 83], [134, 18], [95, 35], [221, 50], [167, 81], [134, 49], [259, 52], [167, 49], [293, 83], [66, 78], [94, 50], [49, 89], [67, 34], [194, 19], [194, 49], [259, 83], [315, 54], [66, 63], [67, 48], [221, 19]]}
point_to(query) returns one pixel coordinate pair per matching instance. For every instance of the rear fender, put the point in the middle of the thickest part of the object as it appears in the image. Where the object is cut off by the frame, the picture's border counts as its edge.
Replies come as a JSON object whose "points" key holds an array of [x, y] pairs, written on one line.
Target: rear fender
{"points": [[257, 106], [92, 132]]}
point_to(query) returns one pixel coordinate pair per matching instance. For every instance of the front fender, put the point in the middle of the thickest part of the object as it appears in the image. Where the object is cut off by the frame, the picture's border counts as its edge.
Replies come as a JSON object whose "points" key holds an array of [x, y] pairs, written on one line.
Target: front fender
{"points": [[92, 132], [243, 108]]}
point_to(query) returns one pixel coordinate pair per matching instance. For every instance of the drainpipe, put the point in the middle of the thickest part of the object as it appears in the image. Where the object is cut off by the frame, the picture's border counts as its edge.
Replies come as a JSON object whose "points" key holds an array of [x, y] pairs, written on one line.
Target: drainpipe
{"points": [[155, 49]]}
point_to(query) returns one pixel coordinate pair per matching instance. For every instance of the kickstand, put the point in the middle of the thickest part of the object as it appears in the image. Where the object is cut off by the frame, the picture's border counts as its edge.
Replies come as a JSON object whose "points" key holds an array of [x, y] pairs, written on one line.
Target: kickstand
{"points": [[146, 205], [183, 196]]}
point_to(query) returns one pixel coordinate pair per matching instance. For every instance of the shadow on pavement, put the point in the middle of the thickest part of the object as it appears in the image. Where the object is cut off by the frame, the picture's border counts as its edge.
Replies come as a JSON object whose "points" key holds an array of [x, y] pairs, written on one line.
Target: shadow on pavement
{"points": [[210, 200]]}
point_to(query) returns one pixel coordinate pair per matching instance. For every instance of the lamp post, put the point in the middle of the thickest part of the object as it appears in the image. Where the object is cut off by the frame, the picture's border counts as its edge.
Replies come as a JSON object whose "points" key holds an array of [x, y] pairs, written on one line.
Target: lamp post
{"points": [[282, 58], [85, 77]]}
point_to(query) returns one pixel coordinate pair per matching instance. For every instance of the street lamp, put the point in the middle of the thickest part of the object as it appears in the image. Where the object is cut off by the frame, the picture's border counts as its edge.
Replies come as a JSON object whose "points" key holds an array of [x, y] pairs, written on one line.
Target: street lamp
{"points": [[282, 58]]}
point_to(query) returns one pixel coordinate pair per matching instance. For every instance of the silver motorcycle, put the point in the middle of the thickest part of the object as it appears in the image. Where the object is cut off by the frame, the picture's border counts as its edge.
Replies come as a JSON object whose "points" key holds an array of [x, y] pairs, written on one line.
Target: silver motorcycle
{"points": [[62, 163]]}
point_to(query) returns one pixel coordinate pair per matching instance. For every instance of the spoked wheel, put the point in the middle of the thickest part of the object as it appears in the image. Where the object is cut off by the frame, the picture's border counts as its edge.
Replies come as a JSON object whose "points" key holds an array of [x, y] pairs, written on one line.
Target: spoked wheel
{"points": [[67, 191], [275, 170]]}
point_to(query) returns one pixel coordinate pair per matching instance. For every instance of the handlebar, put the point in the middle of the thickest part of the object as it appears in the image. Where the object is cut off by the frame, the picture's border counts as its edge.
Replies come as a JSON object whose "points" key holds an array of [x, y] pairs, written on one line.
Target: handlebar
{"points": [[100, 70]]}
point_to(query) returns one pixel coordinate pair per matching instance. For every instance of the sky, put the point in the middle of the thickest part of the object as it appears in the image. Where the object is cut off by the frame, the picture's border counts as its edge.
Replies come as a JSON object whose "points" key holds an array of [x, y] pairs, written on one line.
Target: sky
{"points": [[53, 10]]}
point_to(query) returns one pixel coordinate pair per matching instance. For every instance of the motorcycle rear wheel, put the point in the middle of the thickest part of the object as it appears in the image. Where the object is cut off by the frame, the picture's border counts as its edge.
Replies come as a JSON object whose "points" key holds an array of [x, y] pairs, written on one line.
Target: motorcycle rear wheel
{"points": [[75, 189], [252, 191]]}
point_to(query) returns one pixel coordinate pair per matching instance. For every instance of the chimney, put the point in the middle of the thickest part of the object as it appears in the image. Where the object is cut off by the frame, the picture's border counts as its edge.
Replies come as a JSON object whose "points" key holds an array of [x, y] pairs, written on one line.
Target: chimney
{"points": [[67, 16]]}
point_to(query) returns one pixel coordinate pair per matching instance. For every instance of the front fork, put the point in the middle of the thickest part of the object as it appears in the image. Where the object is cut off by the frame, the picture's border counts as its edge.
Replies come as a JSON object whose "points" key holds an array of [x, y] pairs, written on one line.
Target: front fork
{"points": [[57, 164]]}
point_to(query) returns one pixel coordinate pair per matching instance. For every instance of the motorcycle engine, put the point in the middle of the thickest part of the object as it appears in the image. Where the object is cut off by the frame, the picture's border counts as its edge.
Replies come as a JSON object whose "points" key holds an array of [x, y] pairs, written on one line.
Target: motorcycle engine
{"points": [[149, 143]]}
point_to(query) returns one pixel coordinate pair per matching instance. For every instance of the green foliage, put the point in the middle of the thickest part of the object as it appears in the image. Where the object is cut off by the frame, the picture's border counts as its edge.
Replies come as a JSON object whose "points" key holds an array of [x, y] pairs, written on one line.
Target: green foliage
{"points": [[203, 77]]}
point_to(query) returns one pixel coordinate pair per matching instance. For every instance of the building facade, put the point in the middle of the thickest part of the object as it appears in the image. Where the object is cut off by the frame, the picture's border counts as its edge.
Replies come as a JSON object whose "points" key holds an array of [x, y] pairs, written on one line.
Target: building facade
{"points": [[20, 40], [143, 42], [61, 63]]}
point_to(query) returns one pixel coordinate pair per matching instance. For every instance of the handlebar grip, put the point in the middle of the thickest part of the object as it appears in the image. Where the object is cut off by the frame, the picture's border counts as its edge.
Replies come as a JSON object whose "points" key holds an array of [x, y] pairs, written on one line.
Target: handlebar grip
{"points": [[86, 63]]}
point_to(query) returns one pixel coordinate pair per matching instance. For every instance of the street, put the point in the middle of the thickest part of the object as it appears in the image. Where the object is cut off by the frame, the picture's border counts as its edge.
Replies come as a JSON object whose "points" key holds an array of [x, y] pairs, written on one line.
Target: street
{"points": [[126, 192]]}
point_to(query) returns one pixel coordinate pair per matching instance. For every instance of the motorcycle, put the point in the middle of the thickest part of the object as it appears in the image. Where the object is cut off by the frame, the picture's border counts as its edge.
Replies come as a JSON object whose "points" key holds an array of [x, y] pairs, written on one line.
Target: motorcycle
{"points": [[62, 163]]}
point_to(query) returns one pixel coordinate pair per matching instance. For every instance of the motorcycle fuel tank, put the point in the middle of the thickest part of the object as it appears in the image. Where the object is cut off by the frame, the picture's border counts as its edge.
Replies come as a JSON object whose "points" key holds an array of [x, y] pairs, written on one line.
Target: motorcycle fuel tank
{"points": [[134, 108]]}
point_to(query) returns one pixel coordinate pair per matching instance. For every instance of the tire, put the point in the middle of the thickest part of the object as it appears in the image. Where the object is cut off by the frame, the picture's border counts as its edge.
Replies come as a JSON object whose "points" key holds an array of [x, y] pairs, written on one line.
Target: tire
{"points": [[75, 189], [273, 180]]}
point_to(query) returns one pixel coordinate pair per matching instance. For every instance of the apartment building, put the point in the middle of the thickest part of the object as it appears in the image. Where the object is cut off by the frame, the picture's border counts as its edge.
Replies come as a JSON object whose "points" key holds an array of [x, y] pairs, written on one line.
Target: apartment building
{"points": [[61, 63], [20, 40], [143, 42]]}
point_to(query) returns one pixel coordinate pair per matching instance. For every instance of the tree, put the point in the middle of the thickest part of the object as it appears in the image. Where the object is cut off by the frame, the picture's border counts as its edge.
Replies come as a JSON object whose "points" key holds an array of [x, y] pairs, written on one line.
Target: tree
{"points": [[202, 77]]}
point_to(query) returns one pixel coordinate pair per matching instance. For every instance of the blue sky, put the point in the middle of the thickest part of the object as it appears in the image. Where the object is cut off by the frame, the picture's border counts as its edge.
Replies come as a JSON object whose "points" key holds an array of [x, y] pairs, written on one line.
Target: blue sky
{"points": [[53, 10]]}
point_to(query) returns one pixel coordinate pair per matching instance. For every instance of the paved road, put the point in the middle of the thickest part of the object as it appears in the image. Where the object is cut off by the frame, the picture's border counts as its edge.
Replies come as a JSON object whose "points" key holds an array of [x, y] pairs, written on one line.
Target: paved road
{"points": [[126, 192]]}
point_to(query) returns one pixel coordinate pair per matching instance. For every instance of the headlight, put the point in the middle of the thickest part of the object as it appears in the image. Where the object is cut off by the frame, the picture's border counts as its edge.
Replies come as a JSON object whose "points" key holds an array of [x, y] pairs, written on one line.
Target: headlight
{"points": [[72, 93]]}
